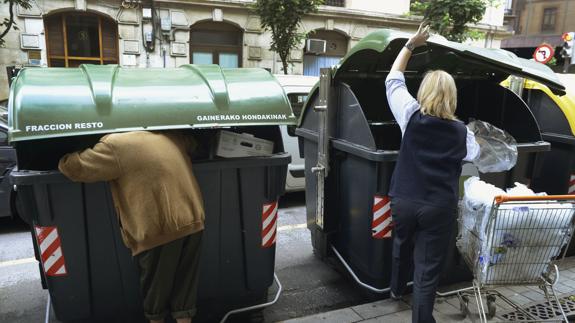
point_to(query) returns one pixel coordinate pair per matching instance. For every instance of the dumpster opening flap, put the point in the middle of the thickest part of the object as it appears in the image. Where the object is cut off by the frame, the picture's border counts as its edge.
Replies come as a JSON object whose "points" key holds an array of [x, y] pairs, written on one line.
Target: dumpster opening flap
{"points": [[375, 54], [477, 71]]}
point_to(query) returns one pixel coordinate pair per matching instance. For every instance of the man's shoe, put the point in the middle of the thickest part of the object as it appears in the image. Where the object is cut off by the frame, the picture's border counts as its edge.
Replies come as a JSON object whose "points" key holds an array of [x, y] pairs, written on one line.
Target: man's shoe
{"points": [[395, 297]]}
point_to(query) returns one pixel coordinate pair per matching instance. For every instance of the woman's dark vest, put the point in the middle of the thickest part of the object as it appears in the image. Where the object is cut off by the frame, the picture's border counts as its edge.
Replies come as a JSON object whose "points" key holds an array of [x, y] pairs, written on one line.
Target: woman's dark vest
{"points": [[430, 160]]}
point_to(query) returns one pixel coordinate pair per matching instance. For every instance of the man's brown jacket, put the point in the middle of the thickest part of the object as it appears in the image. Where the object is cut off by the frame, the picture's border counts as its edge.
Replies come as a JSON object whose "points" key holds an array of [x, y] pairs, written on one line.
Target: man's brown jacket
{"points": [[155, 192]]}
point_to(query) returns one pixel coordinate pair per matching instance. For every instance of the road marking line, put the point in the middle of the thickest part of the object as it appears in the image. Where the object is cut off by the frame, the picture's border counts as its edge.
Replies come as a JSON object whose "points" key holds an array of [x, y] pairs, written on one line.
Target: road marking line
{"points": [[292, 227], [15, 262]]}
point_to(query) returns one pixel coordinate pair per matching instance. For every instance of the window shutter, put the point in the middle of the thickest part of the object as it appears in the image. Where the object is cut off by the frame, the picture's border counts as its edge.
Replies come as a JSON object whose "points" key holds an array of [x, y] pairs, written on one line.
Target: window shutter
{"points": [[55, 33], [109, 40]]}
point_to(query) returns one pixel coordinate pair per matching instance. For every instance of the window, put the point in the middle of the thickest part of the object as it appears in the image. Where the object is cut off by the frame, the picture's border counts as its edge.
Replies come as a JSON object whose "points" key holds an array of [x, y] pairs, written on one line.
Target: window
{"points": [[508, 7], [216, 43], [296, 101], [335, 49], [335, 3], [202, 58], [80, 38], [549, 17]]}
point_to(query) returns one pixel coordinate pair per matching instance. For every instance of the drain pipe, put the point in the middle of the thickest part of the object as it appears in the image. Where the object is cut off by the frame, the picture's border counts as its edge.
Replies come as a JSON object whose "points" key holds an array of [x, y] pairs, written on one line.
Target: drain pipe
{"points": [[357, 280]]}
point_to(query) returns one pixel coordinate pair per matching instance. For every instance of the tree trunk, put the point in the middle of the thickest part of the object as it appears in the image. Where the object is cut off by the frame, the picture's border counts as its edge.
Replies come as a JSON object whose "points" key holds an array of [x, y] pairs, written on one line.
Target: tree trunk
{"points": [[283, 58], [285, 64]]}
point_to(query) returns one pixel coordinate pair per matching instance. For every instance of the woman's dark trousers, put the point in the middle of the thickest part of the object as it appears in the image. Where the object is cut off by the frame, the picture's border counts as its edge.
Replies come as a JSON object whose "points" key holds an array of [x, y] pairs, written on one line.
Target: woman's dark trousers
{"points": [[421, 232]]}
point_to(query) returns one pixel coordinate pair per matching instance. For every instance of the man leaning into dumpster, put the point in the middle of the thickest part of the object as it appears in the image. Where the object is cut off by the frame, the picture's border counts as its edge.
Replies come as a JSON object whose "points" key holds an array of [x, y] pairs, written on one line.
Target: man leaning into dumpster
{"points": [[160, 209]]}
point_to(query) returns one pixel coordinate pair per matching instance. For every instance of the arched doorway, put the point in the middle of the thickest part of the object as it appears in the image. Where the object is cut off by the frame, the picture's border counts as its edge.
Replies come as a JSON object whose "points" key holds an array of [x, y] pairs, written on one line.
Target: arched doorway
{"points": [[216, 43], [75, 38], [324, 48]]}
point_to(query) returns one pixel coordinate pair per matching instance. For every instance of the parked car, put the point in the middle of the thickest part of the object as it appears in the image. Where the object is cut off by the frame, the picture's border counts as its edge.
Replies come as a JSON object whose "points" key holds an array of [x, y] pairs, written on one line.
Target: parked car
{"points": [[7, 163], [297, 88]]}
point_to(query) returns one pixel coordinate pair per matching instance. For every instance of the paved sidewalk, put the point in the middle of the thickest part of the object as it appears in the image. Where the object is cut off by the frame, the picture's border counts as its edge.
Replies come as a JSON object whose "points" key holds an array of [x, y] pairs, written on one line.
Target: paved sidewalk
{"points": [[447, 309]]}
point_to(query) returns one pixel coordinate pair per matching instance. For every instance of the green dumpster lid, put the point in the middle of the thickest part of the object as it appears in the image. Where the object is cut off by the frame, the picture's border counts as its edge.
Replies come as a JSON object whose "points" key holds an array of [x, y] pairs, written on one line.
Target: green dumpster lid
{"points": [[377, 51], [59, 102]]}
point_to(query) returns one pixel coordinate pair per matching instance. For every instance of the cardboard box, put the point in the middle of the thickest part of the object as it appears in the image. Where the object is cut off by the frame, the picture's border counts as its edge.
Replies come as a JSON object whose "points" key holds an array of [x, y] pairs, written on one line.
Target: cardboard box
{"points": [[230, 144]]}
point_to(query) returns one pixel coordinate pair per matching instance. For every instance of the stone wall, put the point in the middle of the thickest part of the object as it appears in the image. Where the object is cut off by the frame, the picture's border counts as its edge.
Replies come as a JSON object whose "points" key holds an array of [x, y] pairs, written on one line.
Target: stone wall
{"points": [[353, 24]]}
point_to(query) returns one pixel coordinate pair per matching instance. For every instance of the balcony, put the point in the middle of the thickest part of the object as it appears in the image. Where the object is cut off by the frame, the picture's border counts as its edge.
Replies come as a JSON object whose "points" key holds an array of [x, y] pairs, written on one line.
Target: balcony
{"points": [[335, 3]]}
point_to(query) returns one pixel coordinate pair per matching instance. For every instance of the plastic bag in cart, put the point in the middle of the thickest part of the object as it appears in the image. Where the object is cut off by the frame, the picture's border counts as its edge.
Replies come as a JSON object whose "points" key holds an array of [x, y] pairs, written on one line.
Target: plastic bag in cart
{"points": [[507, 250], [498, 149]]}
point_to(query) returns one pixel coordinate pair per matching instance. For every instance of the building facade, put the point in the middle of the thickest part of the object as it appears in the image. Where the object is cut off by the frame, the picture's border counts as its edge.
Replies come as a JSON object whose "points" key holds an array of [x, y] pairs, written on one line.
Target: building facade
{"points": [[535, 22], [169, 33]]}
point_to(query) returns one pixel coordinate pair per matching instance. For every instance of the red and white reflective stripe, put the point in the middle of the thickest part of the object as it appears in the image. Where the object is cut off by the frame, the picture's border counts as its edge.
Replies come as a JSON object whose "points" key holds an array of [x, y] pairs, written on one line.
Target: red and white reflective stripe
{"points": [[381, 225], [269, 224], [51, 251], [571, 184]]}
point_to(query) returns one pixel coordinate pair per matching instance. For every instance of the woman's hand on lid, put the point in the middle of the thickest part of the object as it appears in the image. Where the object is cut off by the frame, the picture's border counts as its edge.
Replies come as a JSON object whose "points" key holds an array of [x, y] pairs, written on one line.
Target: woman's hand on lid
{"points": [[420, 38]]}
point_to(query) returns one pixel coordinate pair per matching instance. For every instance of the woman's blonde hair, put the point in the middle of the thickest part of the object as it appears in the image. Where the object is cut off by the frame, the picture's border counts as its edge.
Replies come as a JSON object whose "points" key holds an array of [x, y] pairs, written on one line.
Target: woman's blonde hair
{"points": [[437, 95]]}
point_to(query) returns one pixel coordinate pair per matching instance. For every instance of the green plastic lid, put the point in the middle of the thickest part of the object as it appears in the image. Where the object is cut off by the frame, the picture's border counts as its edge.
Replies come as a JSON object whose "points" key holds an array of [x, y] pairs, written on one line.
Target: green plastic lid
{"points": [[377, 51], [91, 99]]}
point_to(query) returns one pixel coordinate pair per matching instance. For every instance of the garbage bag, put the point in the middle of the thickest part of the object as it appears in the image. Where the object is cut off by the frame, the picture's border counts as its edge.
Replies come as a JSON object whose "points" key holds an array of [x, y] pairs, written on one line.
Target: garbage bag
{"points": [[523, 240], [497, 148]]}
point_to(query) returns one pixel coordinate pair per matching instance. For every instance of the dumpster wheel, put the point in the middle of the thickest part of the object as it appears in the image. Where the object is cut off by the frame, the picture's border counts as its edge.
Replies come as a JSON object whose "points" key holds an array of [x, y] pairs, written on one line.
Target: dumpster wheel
{"points": [[259, 306], [463, 305], [491, 309]]}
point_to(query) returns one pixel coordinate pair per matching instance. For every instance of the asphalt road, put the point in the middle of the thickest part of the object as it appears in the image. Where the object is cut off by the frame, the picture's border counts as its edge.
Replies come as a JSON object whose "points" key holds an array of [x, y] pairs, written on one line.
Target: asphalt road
{"points": [[22, 298], [310, 286]]}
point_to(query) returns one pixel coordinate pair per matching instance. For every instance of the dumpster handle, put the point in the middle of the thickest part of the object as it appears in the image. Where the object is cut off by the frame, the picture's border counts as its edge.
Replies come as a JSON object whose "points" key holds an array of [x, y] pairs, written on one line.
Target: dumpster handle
{"points": [[362, 284], [255, 307]]}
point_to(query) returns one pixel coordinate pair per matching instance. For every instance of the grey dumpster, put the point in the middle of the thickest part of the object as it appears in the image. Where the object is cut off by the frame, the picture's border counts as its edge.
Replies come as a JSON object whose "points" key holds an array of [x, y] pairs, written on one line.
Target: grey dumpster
{"points": [[83, 262], [362, 141]]}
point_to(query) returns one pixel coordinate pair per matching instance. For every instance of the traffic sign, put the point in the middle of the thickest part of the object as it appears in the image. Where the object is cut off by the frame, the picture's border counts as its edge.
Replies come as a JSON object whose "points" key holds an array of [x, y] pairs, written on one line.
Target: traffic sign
{"points": [[544, 53]]}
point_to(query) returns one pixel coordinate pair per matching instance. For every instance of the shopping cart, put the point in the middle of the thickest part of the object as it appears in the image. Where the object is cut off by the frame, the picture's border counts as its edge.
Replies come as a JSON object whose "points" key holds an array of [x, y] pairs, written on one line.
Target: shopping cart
{"points": [[518, 241]]}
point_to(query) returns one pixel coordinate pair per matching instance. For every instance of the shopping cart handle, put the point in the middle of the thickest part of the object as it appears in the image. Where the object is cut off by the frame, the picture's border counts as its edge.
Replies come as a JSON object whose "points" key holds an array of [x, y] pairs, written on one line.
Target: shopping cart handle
{"points": [[505, 198]]}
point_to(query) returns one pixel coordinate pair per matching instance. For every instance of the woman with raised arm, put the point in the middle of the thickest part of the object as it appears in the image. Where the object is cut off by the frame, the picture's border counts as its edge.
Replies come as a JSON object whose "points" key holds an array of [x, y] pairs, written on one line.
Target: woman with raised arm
{"points": [[424, 187]]}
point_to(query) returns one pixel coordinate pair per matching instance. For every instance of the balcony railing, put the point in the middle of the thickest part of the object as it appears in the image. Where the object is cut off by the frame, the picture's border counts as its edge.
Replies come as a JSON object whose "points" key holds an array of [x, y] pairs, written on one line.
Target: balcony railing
{"points": [[335, 3]]}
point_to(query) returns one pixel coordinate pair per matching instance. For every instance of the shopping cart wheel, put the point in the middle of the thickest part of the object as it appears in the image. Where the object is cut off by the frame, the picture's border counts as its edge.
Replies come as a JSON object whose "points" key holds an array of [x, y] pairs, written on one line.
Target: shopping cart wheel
{"points": [[463, 305], [491, 309]]}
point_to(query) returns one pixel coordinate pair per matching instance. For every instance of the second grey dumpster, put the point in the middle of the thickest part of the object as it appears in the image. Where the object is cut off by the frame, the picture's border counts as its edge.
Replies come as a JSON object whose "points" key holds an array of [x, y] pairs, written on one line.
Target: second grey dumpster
{"points": [[84, 264], [361, 141]]}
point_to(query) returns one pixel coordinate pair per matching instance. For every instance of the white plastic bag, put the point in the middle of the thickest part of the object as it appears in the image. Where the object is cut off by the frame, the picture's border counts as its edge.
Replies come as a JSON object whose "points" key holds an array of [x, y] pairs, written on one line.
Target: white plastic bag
{"points": [[474, 215], [509, 247], [497, 148]]}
